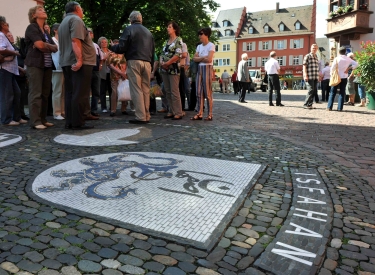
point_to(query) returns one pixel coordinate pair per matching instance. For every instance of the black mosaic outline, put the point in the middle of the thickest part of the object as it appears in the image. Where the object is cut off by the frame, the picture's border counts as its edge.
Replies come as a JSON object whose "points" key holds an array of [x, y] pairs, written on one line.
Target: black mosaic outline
{"points": [[208, 245], [284, 266]]}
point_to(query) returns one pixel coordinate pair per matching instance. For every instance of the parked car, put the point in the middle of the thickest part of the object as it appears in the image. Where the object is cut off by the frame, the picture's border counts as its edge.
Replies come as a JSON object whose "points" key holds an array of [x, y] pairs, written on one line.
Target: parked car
{"points": [[257, 78]]}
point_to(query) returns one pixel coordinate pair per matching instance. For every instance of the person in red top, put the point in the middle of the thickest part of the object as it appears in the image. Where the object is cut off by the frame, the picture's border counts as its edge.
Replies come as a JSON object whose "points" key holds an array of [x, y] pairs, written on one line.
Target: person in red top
{"points": [[221, 85], [235, 82]]}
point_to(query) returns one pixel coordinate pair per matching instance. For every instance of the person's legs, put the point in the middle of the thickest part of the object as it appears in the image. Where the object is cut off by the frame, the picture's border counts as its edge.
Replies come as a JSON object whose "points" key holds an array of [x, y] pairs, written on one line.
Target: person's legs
{"points": [[46, 90], [323, 87], [193, 96], [270, 89], [36, 82], [181, 86], [362, 95], [340, 103], [145, 88], [207, 88], [199, 88], [16, 100], [242, 93], [6, 96], [57, 87], [311, 86], [134, 72], [331, 98], [114, 85], [95, 91], [103, 94], [68, 81], [167, 89], [175, 104], [21, 82]]}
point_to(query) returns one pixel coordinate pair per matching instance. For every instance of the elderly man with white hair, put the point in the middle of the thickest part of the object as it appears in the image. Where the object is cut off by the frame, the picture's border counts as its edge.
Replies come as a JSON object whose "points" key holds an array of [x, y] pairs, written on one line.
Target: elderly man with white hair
{"points": [[272, 68], [243, 77], [137, 43]]}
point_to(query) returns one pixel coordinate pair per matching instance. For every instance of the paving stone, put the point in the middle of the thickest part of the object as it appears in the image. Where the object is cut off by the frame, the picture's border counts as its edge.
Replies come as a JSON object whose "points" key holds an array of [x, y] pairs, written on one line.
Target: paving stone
{"points": [[230, 260], [139, 236], [34, 256], [205, 271], [324, 271], [282, 213], [165, 260], [330, 264], [99, 232], [253, 271], [241, 244], [51, 253], [349, 262], [93, 247], [207, 264], [53, 264], [130, 260], [173, 271], [121, 247], [74, 250], [90, 257], [336, 243], [249, 232], [367, 267], [130, 269], [159, 250], [18, 249], [66, 259], [142, 244], [122, 238], [53, 225], [107, 253], [8, 266], [182, 256], [104, 226], [238, 221], [216, 255], [187, 267], [104, 241], [29, 266], [358, 243], [256, 250], [122, 231], [154, 266], [86, 236], [111, 272], [59, 243], [70, 270], [175, 247], [48, 272], [353, 255], [46, 216], [110, 263], [89, 266], [25, 241], [231, 232], [59, 213], [144, 255]]}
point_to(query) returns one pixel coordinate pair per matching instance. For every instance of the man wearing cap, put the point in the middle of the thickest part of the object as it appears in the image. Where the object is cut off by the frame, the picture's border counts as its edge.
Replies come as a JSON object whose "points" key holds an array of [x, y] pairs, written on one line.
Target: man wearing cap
{"points": [[272, 68]]}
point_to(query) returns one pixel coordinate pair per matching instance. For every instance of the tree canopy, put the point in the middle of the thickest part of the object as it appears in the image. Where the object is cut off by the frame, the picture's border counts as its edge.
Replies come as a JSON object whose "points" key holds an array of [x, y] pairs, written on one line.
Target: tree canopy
{"points": [[109, 17]]}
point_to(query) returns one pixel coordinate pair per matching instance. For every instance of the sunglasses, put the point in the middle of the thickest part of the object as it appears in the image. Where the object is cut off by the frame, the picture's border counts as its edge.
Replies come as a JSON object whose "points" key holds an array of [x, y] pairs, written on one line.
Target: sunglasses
{"points": [[201, 33]]}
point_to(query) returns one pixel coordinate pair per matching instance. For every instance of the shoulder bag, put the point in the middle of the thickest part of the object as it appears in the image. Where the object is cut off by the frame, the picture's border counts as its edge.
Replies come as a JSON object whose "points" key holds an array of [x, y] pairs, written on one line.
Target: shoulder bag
{"points": [[335, 78]]}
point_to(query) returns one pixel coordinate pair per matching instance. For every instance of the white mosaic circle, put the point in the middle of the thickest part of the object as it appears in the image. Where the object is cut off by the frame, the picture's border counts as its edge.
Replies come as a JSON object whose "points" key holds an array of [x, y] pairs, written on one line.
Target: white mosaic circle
{"points": [[103, 138], [9, 139], [177, 196]]}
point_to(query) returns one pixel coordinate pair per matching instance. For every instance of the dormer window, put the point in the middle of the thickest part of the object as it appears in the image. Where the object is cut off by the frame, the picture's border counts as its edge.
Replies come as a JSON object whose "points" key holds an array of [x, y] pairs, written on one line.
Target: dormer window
{"points": [[251, 30], [225, 23], [214, 24], [281, 27], [298, 25], [266, 28], [228, 32]]}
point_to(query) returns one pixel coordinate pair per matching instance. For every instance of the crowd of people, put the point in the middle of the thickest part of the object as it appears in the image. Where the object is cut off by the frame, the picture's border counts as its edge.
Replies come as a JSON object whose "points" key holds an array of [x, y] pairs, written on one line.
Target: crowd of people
{"points": [[68, 66]]}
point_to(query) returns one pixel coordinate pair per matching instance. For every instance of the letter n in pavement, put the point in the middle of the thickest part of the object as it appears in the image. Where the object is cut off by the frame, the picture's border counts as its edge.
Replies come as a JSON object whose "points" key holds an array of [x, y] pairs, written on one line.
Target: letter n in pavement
{"points": [[294, 251]]}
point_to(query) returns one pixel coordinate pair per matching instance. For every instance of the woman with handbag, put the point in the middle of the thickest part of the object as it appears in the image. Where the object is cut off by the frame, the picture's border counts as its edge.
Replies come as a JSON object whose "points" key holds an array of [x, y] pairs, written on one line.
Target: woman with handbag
{"points": [[170, 57], [350, 89], [9, 91], [339, 78], [39, 67]]}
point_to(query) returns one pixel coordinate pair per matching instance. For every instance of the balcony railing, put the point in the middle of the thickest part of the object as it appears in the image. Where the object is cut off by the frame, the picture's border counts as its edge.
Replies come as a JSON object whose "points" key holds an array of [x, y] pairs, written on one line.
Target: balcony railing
{"points": [[352, 23]]}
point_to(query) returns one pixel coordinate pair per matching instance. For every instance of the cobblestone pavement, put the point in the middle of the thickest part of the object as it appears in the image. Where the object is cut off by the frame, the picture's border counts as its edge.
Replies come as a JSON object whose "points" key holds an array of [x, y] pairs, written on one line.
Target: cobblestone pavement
{"points": [[336, 236]]}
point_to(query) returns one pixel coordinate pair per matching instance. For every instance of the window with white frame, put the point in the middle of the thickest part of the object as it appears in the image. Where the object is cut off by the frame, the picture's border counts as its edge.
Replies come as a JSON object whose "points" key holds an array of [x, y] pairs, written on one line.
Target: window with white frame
{"points": [[222, 62], [280, 60], [228, 32], [280, 45], [264, 60], [250, 63], [216, 62], [281, 27], [296, 44], [226, 47], [225, 23], [265, 45], [251, 30], [266, 28], [298, 26], [249, 47], [296, 60]]}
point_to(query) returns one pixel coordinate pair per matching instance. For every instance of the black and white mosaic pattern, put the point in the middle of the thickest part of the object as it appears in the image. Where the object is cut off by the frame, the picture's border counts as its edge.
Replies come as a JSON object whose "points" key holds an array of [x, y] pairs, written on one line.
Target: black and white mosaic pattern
{"points": [[9, 139], [183, 198], [103, 138]]}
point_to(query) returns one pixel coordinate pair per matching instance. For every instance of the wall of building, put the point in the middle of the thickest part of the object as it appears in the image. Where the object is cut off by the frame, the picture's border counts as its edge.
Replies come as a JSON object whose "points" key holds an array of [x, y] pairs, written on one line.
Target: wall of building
{"points": [[16, 15], [356, 44], [221, 55]]}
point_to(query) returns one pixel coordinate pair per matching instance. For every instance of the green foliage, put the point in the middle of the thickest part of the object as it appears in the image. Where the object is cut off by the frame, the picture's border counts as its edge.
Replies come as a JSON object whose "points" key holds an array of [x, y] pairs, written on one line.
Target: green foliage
{"points": [[366, 68], [108, 18]]}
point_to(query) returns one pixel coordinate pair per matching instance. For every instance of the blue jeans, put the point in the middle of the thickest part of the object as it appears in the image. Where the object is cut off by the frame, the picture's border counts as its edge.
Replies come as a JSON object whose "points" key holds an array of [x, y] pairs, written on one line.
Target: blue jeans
{"points": [[10, 95], [362, 91], [333, 92]]}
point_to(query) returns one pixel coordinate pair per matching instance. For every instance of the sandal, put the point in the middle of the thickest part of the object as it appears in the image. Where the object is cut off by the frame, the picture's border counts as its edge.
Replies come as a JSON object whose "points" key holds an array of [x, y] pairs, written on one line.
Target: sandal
{"points": [[196, 117], [169, 115], [177, 117], [208, 118]]}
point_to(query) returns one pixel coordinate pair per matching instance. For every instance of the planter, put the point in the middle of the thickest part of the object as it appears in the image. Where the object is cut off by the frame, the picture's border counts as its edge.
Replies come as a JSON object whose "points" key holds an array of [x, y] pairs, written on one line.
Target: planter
{"points": [[370, 100]]}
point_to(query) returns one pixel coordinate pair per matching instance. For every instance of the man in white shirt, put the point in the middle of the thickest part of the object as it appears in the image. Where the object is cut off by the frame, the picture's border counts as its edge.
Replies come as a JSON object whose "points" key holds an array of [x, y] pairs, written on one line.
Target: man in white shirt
{"points": [[272, 68], [325, 75], [226, 80], [342, 63]]}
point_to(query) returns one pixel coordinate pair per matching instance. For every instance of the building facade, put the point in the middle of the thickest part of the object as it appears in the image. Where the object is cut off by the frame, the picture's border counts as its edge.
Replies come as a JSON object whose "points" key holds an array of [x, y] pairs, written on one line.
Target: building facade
{"points": [[348, 26], [288, 31], [16, 13], [227, 27]]}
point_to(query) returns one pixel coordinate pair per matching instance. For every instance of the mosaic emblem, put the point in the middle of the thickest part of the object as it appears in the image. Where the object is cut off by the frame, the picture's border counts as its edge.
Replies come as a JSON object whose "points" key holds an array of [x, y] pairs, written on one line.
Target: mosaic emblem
{"points": [[182, 198], [104, 138], [8, 139]]}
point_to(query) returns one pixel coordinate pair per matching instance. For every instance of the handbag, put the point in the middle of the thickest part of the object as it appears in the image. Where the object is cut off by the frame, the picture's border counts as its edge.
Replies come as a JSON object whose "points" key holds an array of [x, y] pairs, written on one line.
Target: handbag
{"points": [[335, 78], [265, 78], [155, 89], [123, 90]]}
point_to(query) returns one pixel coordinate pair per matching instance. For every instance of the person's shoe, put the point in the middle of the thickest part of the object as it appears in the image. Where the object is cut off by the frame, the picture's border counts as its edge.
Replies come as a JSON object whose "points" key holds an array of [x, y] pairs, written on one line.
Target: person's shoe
{"points": [[124, 112], [328, 109], [271, 104], [243, 101], [308, 107], [112, 114], [134, 121], [163, 111], [25, 118], [362, 104], [83, 127], [104, 111], [59, 117], [280, 105], [318, 102], [177, 117], [169, 116], [21, 121], [12, 123], [40, 127], [95, 114], [48, 124], [91, 117]]}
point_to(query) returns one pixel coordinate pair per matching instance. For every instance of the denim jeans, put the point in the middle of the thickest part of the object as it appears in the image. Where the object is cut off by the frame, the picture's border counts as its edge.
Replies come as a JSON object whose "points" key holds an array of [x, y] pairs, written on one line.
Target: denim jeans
{"points": [[10, 95], [333, 92], [362, 91], [325, 89]]}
